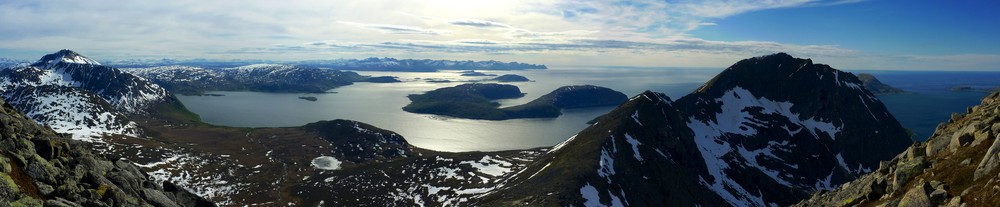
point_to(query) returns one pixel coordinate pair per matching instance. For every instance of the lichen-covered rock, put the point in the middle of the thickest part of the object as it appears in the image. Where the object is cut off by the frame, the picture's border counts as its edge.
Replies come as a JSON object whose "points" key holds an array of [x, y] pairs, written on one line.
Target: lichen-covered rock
{"points": [[41, 168], [916, 197]]}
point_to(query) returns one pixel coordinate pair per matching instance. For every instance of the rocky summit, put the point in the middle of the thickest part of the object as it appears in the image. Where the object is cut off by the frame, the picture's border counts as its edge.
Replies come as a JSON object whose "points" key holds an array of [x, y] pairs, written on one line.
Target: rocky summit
{"points": [[39, 167], [957, 166], [767, 131]]}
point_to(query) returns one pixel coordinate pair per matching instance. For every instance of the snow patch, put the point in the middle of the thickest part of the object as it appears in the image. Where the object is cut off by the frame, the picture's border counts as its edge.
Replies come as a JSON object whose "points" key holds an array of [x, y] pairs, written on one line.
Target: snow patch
{"points": [[635, 146], [635, 117], [326, 163], [490, 166], [590, 194]]}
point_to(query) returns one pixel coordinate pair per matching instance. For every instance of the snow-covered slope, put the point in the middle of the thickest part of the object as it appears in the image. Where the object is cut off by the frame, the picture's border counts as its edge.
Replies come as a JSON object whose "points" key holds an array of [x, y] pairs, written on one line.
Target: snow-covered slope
{"points": [[76, 95], [767, 131]]}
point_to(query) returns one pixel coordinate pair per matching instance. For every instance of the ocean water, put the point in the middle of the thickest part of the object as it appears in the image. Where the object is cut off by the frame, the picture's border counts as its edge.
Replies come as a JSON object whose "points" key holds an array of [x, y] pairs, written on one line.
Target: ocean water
{"points": [[379, 104], [929, 99]]}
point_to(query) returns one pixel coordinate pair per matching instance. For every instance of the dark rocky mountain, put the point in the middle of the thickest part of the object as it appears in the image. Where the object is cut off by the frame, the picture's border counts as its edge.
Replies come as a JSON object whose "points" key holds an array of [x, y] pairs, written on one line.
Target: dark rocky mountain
{"points": [[510, 78], [956, 166], [76, 95], [259, 77], [125, 92], [475, 101], [767, 131], [875, 86], [39, 167]]}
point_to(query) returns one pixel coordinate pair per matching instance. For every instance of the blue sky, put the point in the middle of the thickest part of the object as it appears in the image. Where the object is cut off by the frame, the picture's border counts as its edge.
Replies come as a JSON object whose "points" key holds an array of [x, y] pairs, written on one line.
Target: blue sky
{"points": [[924, 27], [847, 34]]}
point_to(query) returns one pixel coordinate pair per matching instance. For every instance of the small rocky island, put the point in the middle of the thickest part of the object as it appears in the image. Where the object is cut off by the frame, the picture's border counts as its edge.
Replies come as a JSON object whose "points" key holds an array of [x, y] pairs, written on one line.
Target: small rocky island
{"points": [[475, 101], [475, 73], [510, 78], [308, 98], [382, 79], [875, 86]]}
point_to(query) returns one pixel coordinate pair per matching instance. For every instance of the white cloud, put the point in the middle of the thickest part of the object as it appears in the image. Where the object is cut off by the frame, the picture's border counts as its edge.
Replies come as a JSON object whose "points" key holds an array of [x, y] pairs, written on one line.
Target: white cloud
{"points": [[395, 29], [479, 23]]}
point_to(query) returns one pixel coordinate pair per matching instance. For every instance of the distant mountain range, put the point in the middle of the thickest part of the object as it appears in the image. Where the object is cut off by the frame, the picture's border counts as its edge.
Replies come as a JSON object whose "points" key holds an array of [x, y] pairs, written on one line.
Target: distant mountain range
{"points": [[258, 77], [367, 64]]}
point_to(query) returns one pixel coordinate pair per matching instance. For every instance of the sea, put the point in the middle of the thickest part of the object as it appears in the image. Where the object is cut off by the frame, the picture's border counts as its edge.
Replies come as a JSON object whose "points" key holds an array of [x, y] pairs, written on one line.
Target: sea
{"points": [[929, 101]]}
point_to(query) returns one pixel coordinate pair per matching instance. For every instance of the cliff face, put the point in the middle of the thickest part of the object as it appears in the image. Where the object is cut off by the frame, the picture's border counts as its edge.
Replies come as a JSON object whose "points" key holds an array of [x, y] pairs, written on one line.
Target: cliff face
{"points": [[956, 166], [39, 167]]}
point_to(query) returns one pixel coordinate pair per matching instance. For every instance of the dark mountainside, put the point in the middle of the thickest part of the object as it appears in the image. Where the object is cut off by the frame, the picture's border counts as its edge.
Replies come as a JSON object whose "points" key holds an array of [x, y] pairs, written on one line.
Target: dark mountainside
{"points": [[875, 86], [766, 131], [39, 167], [475, 101], [956, 166]]}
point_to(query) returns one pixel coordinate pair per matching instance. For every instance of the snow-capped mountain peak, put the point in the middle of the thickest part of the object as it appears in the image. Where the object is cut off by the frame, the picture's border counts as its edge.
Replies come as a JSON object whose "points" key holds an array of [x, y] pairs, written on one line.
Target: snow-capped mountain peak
{"points": [[76, 95], [63, 56]]}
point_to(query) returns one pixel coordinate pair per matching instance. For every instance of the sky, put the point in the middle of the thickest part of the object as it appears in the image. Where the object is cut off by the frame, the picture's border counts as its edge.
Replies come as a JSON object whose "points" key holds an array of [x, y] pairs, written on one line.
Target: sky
{"points": [[846, 34]]}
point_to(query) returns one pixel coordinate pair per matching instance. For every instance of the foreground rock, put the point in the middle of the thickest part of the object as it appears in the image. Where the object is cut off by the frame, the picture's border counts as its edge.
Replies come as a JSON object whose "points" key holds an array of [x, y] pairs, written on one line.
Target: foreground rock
{"points": [[39, 167], [956, 166], [875, 86]]}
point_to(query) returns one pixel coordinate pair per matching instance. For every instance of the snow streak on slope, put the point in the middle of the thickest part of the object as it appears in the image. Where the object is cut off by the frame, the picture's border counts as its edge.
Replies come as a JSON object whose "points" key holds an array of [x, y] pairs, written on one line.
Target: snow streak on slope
{"points": [[735, 120]]}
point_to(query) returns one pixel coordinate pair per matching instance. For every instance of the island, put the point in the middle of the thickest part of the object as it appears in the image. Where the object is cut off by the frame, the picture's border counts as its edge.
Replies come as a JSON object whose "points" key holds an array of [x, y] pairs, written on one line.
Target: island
{"points": [[961, 88], [475, 73], [308, 98], [382, 79], [476, 101], [510, 78], [875, 86]]}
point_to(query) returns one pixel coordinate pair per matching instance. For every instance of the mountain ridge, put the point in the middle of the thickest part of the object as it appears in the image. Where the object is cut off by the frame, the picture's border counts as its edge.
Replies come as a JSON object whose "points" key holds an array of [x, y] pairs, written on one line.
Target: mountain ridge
{"points": [[742, 139]]}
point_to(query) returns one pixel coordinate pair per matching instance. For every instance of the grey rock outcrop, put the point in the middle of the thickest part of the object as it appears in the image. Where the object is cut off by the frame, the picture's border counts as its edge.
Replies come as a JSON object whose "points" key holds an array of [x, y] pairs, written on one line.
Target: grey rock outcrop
{"points": [[956, 166], [40, 167]]}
